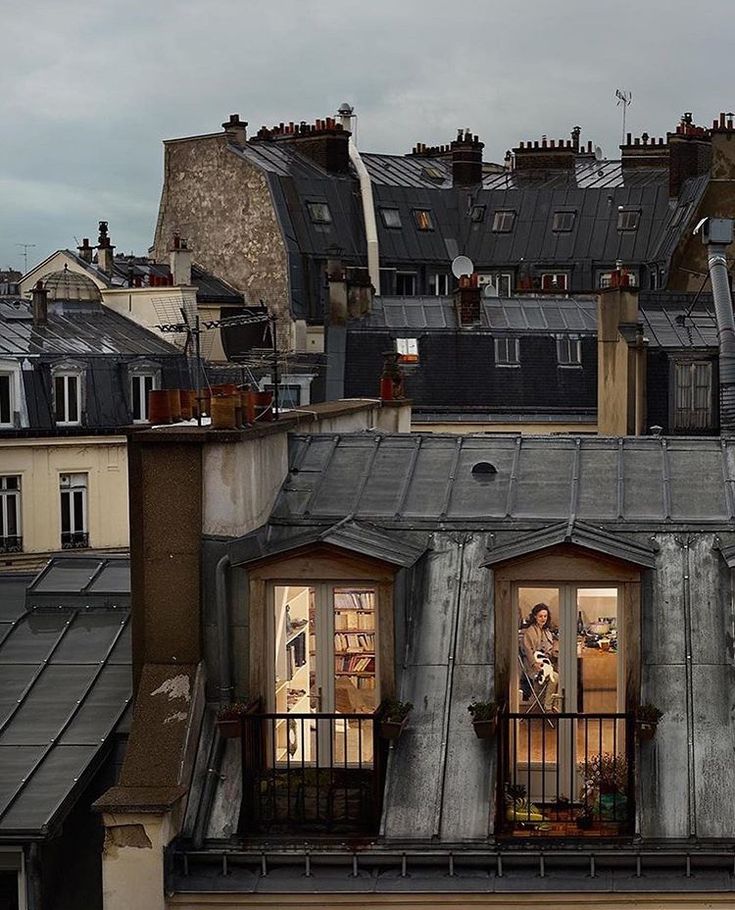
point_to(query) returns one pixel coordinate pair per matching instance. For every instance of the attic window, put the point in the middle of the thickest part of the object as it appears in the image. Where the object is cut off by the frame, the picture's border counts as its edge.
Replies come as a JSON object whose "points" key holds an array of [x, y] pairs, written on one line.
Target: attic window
{"points": [[477, 213], [563, 222], [423, 219], [503, 222], [391, 218], [429, 172], [408, 350], [319, 212], [484, 472], [628, 219]]}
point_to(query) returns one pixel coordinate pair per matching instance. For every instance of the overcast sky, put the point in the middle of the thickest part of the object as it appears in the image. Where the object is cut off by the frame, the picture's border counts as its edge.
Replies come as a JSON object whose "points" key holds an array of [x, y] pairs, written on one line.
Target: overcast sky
{"points": [[89, 89]]}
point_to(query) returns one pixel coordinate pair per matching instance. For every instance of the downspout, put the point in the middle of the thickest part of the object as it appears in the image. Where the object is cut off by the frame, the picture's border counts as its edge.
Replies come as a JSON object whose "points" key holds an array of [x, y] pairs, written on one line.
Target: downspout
{"points": [[717, 234], [345, 115]]}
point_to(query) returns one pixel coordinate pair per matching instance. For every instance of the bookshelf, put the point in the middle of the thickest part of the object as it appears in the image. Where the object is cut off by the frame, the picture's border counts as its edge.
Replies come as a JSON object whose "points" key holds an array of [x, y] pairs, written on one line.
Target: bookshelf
{"points": [[354, 646]]}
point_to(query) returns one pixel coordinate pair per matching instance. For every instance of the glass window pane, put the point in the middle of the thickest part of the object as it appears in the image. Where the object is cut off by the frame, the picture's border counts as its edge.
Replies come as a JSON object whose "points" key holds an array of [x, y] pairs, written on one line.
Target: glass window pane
{"points": [[354, 650], [59, 390], [135, 394], [5, 402], [73, 387], [11, 529], [65, 513], [79, 523]]}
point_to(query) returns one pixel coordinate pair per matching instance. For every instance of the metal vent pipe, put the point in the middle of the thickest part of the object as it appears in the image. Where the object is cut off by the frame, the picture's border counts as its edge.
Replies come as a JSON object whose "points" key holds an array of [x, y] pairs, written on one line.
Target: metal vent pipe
{"points": [[717, 235]]}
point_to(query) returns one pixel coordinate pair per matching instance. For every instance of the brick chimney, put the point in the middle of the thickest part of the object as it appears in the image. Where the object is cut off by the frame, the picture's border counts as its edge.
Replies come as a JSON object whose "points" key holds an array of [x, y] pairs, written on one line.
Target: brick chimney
{"points": [[39, 304], [551, 154], [105, 250], [180, 262], [644, 151], [467, 300], [466, 159], [723, 148], [236, 131], [690, 153], [85, 250], [326, 142]]}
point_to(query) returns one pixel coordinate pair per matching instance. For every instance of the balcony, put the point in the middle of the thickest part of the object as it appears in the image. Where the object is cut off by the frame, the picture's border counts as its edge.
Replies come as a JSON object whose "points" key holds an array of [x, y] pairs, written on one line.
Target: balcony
{"points": [[316, 774], [74, 540], [11, 544], [565, 775]]}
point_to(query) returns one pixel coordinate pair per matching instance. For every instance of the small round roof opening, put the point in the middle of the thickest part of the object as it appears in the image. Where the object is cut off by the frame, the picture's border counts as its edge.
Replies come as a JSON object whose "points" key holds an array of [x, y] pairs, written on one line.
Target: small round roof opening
{"points": [[484, 472]]}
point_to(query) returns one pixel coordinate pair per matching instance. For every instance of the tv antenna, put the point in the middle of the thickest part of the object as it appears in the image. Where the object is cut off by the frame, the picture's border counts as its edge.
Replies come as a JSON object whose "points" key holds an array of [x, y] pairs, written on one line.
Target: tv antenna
{"points": [[25, 247], [624, 99]]}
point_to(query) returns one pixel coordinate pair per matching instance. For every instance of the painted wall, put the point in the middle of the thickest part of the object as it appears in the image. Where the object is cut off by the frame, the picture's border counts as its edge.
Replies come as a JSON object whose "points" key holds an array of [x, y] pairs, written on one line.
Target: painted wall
{"points": [[39, 462]]}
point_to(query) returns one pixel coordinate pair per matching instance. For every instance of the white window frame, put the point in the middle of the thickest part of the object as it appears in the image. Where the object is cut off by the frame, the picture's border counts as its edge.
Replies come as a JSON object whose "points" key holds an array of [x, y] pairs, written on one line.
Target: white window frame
{"points": [[138, 375], [605, 279], [17, 415], [12, 859], [507, 351], [501, 281], [440, 282], [65, 372], [407, 350], [560, 279], [70, 484], [7, 494], [569, 351]]}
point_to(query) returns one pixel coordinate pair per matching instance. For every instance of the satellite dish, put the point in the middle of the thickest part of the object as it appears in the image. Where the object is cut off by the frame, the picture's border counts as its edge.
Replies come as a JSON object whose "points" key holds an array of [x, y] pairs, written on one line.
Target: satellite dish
{"points": [[462, 265]]}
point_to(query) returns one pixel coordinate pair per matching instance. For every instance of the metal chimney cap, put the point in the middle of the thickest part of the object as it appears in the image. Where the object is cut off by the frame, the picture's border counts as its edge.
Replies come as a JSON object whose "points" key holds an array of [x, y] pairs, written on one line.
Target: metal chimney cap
{"points": [[346, 109]]}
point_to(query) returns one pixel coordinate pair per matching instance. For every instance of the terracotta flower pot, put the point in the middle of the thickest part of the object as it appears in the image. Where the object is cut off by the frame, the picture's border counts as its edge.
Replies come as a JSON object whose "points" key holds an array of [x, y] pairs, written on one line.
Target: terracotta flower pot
{"points": [[185, 397], [159, 410], [223, 412], [263, 405], [248, 405], [392, 729], [646, 731], [174, 402], [485, 729]]}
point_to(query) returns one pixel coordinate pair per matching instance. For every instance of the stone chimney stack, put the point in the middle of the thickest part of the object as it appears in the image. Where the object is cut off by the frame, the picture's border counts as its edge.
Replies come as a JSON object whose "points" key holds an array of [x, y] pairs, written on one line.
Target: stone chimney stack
{"points": [[326, 142], [690, 153], [105, 250], [39, 303], [466, 159], [85, 250], [236, 131], [467, 300], [180, 262]]}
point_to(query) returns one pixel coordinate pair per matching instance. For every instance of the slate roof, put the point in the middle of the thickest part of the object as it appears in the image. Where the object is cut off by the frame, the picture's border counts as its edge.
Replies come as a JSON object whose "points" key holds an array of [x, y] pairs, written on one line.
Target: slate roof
{"points": [[75, 329], [679, 320], [65, 682], [427, 481]]}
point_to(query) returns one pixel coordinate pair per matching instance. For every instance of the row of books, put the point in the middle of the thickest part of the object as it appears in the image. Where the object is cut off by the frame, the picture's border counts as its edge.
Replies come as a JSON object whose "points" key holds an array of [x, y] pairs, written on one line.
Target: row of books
{"points": [[354, 664], [355, 641], [352, 619]]}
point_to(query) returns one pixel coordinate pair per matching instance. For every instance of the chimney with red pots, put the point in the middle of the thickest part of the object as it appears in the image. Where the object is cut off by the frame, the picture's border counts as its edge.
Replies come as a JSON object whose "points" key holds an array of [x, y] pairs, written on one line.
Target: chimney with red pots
{"points": [[85, 250], [326, 142], [236, 131], [690, 153], [466, 159], [467, 300], [551, 154]]}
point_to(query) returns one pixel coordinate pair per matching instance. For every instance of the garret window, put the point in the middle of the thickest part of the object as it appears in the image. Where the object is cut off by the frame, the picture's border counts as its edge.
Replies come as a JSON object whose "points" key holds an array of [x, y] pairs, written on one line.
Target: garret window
{"points": [[143, 379], [10, 394], [477, 213], [68, 399], [319, 212], [692, 396], [439, 284], [408, 350], [424, 220], [554, 281], [628, 219], [503, 222], [563, 222], [568, 351], [507, 352], [391, 218]]}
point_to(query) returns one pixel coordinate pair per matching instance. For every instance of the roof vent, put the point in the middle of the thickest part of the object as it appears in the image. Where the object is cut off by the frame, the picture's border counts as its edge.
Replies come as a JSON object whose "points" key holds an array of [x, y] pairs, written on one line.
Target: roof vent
{"points": [[484, 472]]}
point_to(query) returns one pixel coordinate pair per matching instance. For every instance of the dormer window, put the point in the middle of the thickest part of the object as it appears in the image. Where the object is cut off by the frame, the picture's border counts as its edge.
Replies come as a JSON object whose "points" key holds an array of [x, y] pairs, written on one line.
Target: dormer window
{"points": [[68, 397], [503, 222], [628, 219], [408, 350], [319, 212], [563, 222], [507, 352], [568, 351], [391, 218], [143, 379], [6, 399], [423, 219], [477, 213], [554, 281]]}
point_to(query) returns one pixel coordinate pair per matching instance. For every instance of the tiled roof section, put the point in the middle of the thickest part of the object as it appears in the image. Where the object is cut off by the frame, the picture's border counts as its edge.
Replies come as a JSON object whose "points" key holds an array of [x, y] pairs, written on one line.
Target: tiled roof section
{"points": [[66, 681], [428, 481], [522, 314], [83, 329]]}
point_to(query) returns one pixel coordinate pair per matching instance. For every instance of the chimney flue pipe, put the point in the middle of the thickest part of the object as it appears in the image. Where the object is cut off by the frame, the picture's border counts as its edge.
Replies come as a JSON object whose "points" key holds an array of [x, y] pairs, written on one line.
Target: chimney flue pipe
{"points": [[39, 303]]}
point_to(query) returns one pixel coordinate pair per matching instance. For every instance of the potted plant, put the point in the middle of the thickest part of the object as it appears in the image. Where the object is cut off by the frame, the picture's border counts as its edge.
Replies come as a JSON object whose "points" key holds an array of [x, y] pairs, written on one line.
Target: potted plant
{"points": [[605, 786], [646, 719], [393, 717], [484, 718], [229, 719]]}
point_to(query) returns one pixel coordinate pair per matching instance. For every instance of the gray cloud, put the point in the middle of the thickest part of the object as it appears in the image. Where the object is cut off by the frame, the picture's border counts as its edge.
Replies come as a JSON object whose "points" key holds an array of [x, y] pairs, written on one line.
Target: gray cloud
{"points": [[89, 90]]}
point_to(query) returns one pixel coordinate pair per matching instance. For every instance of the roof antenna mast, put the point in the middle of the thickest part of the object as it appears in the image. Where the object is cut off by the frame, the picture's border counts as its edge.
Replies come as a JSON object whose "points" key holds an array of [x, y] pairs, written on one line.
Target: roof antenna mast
{"points": [[25, 247], [624, 99]]}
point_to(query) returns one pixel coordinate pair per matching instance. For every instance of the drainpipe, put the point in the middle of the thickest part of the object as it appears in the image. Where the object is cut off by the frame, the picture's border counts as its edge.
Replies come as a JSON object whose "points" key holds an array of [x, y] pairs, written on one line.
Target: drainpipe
{"points": [[223, 632], [717, 235], [345, 115]]}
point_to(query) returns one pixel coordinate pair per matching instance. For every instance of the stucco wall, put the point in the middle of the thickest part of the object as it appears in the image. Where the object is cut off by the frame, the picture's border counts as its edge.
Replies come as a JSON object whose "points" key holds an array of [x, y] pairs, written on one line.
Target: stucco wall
{"points": [[221, 204], [39, 462]]}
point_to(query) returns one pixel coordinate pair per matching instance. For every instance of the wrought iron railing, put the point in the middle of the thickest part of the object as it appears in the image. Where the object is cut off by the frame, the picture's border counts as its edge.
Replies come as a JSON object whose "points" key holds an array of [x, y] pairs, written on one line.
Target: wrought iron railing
{"points": [[74, 540], [11, 544], [321, 773], [566, 774]]}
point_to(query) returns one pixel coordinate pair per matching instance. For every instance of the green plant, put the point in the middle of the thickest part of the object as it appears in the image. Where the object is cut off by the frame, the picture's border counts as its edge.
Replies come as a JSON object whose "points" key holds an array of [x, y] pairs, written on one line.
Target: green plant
{"points": [[483, 710], [393, 710], [234, 711], [648, 714], [606, 773], [515, 791]]}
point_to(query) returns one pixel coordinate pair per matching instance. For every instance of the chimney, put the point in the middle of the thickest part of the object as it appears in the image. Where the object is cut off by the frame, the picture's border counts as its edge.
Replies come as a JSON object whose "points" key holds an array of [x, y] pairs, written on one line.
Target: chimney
{"points": [[236, 131], [466, 159], [180, 262], [105, 250], [85, 250], [621, 361], [39, 303], [467, 300], [326, 142], [723, 150], [551, 154], [337, 293], [644, 151], [690, 153]]}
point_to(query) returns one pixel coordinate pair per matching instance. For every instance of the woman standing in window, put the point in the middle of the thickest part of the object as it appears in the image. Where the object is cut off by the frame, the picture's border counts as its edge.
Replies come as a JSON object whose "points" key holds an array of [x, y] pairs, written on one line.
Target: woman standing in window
{"points": [[540, 654]]}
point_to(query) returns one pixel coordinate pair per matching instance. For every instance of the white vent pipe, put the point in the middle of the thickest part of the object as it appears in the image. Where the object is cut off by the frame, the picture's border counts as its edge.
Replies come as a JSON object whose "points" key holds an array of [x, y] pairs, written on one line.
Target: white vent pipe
{"points": [[345, 115]]}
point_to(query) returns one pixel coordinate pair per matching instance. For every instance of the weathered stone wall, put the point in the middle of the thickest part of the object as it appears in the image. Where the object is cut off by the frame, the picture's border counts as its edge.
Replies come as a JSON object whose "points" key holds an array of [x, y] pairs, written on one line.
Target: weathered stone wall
{"points": [[221, 204]]}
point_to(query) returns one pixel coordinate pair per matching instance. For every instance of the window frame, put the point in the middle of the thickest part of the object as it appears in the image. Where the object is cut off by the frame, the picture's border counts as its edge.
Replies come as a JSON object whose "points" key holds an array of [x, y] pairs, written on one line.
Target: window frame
{"points": [[568, 341], [136, 374], [503, 221], [316, 218], [65, 372], [502, 341], [8, 493], [17, 416], [77, 537], [437, 278], [411, 353], [417, 218], [557, 223], [402, 275], [552, 275], [384, 210], [477, 213], [496, 278], [604, 279], [628, 228], [710, 423]]}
